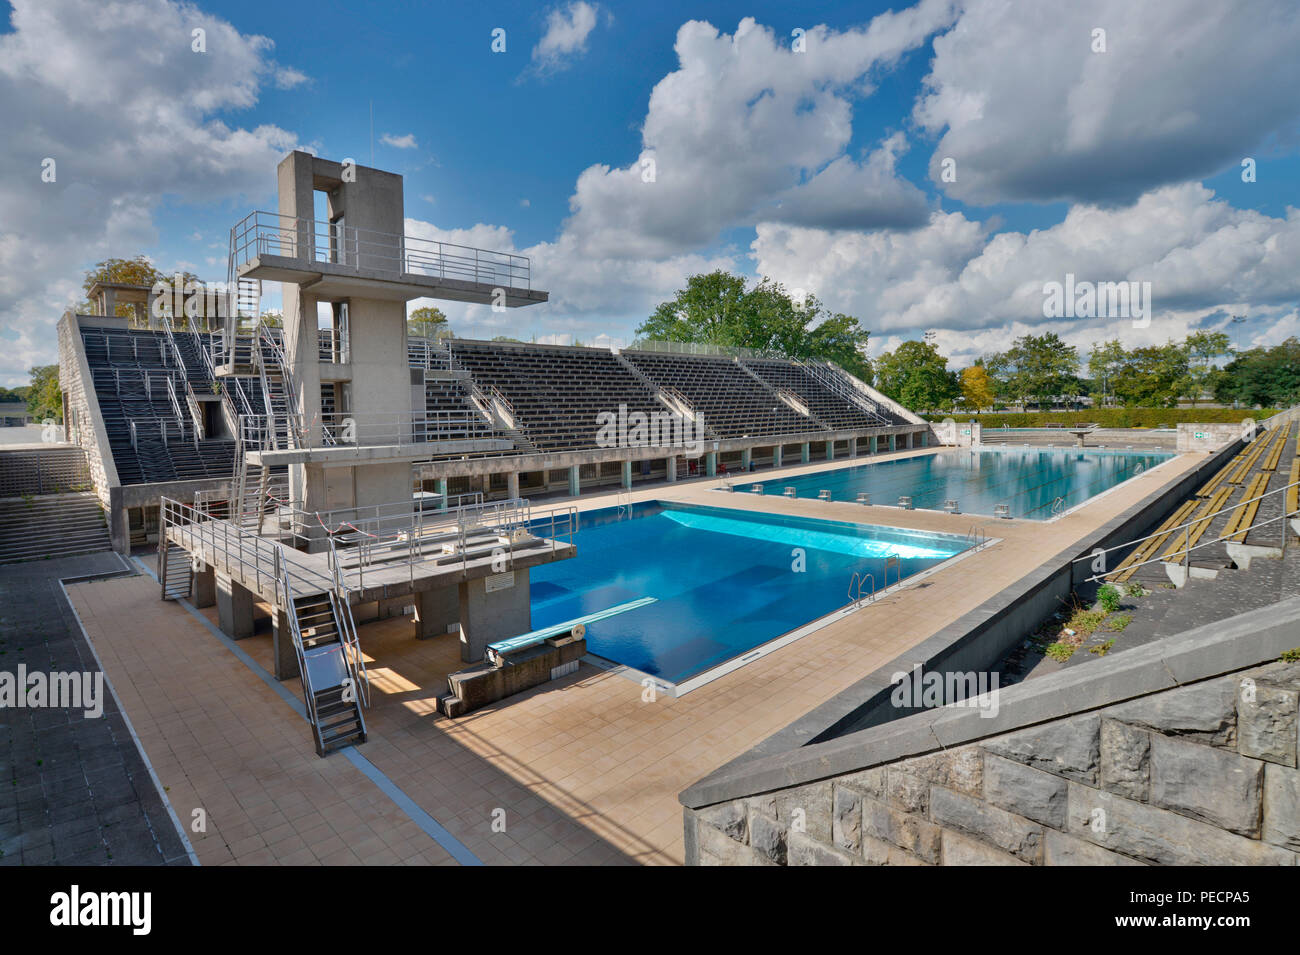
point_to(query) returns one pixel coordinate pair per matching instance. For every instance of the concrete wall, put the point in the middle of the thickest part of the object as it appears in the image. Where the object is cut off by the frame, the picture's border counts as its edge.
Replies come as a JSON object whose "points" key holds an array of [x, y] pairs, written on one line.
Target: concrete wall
{"points": [[83, 424], [1206, 437], [1155, 762]]}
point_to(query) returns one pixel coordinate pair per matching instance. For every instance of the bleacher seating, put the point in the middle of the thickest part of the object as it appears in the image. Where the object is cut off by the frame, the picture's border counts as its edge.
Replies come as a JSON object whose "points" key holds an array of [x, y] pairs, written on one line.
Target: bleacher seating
{"points": [[1232, 507], [556, 392], [129, 369], [733, 404], [826, 406]]}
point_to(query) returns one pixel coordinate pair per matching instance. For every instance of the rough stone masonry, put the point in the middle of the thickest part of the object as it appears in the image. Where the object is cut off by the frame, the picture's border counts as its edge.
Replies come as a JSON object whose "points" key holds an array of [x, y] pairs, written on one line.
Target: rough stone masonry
{"points": [[1204, 774]]}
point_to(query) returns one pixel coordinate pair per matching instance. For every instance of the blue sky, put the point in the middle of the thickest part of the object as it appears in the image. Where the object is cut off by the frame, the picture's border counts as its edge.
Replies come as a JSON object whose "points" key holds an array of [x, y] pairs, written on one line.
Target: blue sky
{"points": [[818, 168]]}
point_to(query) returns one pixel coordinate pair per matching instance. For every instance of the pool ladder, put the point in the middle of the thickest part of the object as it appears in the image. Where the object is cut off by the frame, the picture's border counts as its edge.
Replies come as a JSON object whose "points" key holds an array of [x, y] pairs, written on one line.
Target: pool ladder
{"points": [[857, 586], [975, 538], [858, 594]]}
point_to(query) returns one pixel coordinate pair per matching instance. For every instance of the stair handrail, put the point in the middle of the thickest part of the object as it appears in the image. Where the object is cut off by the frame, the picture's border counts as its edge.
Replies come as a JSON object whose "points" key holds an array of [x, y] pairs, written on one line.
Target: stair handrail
{"points": [[1092, 555], [830, 379]]}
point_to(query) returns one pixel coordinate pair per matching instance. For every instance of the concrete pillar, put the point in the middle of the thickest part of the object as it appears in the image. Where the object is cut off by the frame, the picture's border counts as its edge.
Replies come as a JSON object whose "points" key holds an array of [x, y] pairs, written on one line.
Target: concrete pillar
{"points": [[873, 444], [512, 485], [672, 468], [627, 474], [746, 459], [853, 447], [893, 440], [830, 450], [805, 453], [119, 523], [924, 442], [486, 617], [286, 657], [776, 456], [234, 608], [575, 482], [204, 591], [711, 463], [442, 490], [435, 610]]}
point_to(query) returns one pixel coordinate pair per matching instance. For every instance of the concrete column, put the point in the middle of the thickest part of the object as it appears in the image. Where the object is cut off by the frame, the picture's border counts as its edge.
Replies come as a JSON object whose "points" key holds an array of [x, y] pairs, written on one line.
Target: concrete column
{"points": [[234, 608], [286, 658], [435, 610], [924, 442], [873, 444], [776, 456], [627, 474], [672, 468], [512, 485], [575, 482], [442, 490], [204, 591], [830, 450], [746, 459], [486, 617], [711, 463], [119, 522], [893, 441], [805, 453], [853, 447]]}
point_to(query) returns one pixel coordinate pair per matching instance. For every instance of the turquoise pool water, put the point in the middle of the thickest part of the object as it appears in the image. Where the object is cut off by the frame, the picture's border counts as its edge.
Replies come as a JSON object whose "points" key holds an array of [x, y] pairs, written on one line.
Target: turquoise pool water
{"points": [[724, 581], [1028, 480]]}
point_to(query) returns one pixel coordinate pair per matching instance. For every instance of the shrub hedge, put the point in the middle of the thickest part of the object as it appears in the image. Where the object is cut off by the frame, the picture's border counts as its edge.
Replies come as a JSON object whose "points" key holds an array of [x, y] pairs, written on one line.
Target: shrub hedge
{"points": [[1112, 417]]}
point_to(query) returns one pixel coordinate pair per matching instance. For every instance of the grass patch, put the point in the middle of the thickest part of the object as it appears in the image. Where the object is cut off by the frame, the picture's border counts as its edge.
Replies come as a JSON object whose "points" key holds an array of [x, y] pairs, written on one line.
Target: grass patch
{"points": [[1102, 648], [1290, 656], [1108, 597], [1117, 623], [1060, 652]]}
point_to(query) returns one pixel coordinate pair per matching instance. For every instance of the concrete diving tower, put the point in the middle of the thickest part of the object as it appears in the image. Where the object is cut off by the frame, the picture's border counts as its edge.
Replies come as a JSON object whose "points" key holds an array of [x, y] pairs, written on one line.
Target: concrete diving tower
{"points": [[349, 414]]}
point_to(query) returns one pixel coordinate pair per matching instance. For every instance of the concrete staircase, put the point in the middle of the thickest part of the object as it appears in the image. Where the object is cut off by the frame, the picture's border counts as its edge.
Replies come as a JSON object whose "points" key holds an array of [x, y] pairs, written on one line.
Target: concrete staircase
{"points": [[57, 525]]}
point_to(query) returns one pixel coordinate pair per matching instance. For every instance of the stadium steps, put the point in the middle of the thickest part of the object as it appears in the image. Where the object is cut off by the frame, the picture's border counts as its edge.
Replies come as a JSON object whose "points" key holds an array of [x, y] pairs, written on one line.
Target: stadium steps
{"points": [[51, 526]]}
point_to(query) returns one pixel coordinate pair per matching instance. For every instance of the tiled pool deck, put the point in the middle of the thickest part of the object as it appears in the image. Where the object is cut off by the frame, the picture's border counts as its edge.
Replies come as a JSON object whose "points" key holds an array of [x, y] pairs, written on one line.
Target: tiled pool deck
{"points": [[584, 769]]}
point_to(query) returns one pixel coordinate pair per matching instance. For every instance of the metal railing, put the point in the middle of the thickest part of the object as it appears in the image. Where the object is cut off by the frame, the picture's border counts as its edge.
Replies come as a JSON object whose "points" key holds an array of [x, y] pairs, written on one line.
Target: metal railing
{"points": [[261, 563], [364, 250], [364, 430], [1189, 547], [829, 378]]}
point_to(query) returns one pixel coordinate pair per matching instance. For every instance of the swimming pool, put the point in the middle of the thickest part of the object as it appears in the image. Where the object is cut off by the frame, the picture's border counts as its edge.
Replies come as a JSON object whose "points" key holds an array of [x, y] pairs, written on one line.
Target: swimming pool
{"points": [[1029, 481], [724, 581]]}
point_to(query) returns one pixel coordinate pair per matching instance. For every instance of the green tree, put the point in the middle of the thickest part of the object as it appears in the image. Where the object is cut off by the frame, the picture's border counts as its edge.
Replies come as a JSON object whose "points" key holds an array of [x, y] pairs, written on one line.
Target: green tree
{"points": [[1104, 362], [717, 309], [428, 322], [1202, 349], [1268, 377], [45, 398], [917, 377], [1041, 367], [1152, 376]]}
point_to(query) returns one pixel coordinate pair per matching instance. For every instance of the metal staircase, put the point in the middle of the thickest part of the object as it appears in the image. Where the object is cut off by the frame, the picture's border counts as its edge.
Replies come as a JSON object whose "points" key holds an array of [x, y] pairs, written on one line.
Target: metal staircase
{"points": [[175, 572], [334, 681], [278, 391], [829, 377]]}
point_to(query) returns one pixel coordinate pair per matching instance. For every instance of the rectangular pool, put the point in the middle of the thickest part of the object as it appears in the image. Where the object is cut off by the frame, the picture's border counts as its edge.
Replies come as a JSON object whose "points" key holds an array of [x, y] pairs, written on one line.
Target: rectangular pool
{"points": [[1030, 481], [724, 581]]}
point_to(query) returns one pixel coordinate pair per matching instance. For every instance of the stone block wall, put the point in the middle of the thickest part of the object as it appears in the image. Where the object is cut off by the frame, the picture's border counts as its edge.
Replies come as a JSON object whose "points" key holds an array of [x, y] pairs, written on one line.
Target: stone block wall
{"points": [[1204, 774]]}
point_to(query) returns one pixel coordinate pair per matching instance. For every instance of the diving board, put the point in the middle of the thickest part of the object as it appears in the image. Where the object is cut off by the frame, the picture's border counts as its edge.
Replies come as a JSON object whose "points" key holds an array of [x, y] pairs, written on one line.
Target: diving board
{"points": [[497, 652]]}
